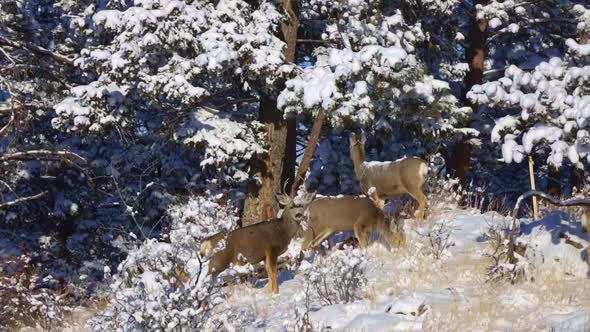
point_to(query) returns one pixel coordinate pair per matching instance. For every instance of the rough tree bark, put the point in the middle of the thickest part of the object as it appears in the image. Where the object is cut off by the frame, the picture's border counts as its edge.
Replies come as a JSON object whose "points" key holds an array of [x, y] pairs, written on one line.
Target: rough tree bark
{"points": [[475, 55], [278, 167]]}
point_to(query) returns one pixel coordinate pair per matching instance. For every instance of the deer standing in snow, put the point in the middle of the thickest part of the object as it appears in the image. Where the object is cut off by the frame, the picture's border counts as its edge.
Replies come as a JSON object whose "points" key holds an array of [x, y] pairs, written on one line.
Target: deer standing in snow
{"points": [[390, 178], [359, 214], [266, 240]]}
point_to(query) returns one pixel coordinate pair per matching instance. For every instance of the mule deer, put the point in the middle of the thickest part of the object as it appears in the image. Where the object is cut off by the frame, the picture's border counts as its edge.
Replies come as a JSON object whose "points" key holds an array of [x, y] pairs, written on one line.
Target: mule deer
{"points": [[390, 178], [266, 240], [348, 213]]}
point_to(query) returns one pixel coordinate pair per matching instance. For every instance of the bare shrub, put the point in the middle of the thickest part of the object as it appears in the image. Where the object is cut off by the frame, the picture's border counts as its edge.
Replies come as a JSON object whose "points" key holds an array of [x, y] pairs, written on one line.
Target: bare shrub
{"points": [[28, 298], [338, 277], [438, 239], [445, 192], [500, 269], [302, 322]]}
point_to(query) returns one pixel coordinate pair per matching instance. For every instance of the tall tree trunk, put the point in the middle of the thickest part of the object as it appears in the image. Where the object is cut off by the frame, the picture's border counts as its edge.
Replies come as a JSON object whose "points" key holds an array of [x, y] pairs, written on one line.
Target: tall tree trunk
{"points": [[273, 170], [475, 55], [289, 29], [277, 168]]}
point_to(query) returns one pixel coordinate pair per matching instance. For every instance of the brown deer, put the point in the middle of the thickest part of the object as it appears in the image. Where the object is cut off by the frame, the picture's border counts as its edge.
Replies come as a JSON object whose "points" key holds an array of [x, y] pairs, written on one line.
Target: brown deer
{"points": [[255, 243], [390, 178], [359, 214]]}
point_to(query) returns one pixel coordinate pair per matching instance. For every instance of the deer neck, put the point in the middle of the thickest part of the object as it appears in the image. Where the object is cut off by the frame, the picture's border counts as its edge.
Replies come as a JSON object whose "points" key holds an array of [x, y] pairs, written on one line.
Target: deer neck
{"points": [[358, 157], [292, 226]]}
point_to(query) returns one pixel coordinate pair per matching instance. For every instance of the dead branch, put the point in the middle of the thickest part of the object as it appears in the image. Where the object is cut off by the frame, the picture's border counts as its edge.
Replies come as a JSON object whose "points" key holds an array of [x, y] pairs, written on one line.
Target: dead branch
{"points": [[8, 57], [515, 226], [43, 155], [4, 130], [23, 199], [37, 49], [315, 41], [314, 138]]}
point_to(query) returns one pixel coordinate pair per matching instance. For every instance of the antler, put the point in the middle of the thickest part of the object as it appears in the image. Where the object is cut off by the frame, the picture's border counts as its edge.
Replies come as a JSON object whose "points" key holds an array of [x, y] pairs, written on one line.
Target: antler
{"points": [[283, 197]]}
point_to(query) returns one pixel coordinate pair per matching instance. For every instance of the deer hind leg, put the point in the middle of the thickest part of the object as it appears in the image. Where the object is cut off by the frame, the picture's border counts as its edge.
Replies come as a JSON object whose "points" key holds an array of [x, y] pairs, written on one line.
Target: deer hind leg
{"points": [[272, 271], [419, 196]]}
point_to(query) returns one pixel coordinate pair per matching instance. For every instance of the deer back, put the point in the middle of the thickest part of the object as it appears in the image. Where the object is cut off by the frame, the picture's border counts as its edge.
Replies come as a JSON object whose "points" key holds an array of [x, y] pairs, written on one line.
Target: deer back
{"points": [[394, 178], [340, 214]]}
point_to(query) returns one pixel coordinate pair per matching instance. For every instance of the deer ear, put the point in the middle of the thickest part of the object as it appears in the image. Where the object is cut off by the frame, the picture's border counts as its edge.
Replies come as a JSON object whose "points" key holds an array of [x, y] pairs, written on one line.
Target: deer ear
{"points": [[309, 197], [363, 137]]}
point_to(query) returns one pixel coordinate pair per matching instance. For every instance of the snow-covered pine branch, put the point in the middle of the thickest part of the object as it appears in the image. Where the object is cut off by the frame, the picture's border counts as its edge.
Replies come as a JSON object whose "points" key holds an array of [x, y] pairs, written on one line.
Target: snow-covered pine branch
{"points": [[380, 75]]}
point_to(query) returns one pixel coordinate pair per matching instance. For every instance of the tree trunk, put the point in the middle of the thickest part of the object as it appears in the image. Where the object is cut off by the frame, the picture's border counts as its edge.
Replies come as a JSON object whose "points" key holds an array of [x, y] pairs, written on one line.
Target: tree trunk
{"points": [[273, 170], [475, 53], [475, 56], [276, 170], [314, 138], [577, 178], [554, 182], [289, 29]]}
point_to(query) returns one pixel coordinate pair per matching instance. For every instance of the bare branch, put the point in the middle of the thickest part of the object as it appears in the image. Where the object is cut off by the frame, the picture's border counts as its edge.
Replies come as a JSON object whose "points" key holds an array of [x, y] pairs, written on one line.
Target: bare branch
{"points": [[37, 49], [314, 41], [23, 199], [536, 193], [7, 56], [4, 130], [43, 155]]}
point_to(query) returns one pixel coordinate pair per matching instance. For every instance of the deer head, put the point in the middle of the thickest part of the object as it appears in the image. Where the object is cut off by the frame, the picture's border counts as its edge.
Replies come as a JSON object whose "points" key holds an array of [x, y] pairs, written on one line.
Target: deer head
{"points": [[295, 208], [357, 146]]}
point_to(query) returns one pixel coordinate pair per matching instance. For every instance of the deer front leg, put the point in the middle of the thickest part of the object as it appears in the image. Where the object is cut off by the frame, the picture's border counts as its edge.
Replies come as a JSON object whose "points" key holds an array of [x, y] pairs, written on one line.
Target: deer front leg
{"points": [[272, 271], [308, 239]]}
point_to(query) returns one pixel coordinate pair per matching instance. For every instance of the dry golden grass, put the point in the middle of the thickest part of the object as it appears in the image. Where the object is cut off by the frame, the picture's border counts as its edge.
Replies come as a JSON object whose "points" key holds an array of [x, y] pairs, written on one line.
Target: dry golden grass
{"points": [[478, 305]]}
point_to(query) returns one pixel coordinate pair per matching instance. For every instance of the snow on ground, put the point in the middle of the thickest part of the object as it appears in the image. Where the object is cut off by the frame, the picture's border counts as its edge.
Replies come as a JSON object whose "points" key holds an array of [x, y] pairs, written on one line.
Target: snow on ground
{"points": [[408, 290]]}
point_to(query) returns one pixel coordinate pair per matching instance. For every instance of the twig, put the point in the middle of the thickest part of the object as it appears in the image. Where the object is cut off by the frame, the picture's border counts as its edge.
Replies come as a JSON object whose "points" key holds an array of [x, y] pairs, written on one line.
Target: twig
{"points": [[4, 130], [44, 155], [37, 49], [314, 41], [7, 56], [23, 199], [7, 186]]}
